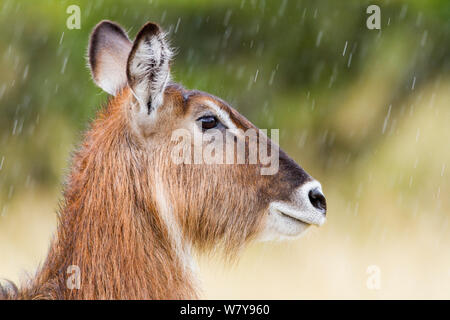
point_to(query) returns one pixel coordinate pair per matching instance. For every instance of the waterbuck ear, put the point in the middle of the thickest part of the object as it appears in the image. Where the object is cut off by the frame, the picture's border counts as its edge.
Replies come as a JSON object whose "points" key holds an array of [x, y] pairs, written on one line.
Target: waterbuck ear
{"points": [[109, 48], [148, 70]]}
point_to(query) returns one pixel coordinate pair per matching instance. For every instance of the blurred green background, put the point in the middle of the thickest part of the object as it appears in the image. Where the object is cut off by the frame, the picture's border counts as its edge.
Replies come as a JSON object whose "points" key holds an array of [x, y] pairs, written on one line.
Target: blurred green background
{"points": [[366, 112]]}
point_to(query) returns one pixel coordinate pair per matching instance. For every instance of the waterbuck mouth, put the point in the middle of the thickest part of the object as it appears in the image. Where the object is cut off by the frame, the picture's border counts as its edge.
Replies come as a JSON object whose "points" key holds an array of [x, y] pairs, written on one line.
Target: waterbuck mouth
{"points": [[296, 220], [298, 215]]}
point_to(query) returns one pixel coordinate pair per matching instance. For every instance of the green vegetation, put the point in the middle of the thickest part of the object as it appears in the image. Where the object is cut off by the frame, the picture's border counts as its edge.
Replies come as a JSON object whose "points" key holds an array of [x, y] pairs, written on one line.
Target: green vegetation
{"points": [[367, 112]]}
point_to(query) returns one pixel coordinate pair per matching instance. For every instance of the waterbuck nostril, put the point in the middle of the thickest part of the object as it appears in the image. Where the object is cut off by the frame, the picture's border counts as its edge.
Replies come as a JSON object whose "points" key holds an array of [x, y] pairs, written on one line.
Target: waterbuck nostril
{"points": [[318, 200]]}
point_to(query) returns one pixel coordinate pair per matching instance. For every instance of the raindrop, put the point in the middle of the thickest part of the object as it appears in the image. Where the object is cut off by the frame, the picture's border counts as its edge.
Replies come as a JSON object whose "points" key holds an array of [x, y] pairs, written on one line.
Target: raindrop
{"points": [[424, 38], [199, 21], [4, 211], [256, 75], [331, 139], [226, 20], [315, 14], [333, 76], [14, 127], [345, 48], [250, 84], [349, 60], [163, 16], [273, 21], [227, 35], [1, 162], [240, 72], [355, 212], [419, 19], [386, 119], [10, 192], [282, 8], [257, 28], [301, 142], [64, 64], [403, 11], [25, 72], [411, 110], [348, 207], [442, 170], [260, 50], [400, 198], [303, 15], [394, 123], [323, 138], [178, 24], [2, 90], [272, 76], [413, 83], [359, 190], [347, 158], [190, 54], [319, 38], [433, 97]]}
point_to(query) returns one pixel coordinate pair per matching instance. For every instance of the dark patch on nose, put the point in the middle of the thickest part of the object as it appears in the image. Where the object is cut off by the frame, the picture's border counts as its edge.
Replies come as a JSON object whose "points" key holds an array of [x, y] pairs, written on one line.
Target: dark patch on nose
{"points": [[289, 177], [293, 174]]}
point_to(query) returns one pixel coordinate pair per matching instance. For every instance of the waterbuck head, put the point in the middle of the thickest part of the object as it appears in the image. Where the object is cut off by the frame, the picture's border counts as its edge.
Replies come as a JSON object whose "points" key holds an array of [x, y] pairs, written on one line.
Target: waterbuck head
{"points": [[212, 176]]}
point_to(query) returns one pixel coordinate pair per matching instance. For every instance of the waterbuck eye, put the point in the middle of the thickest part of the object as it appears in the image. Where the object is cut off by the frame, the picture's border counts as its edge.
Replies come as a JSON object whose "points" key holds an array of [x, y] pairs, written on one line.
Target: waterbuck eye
{"points": [[208, 122]]}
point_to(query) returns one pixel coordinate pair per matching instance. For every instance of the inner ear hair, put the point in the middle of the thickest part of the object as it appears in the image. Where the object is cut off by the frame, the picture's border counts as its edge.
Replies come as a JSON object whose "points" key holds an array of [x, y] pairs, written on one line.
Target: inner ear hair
{"points": [[108, 52], [148, 69]]}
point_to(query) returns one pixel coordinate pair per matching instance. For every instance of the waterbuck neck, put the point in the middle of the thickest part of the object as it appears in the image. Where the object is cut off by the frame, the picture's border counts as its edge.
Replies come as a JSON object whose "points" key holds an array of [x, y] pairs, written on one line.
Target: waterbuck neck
{"points": [[110, 225]]}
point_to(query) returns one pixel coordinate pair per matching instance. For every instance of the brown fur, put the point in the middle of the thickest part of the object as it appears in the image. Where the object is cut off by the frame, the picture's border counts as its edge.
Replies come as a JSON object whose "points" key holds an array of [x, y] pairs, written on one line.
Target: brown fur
{"points": [[113, 226]]}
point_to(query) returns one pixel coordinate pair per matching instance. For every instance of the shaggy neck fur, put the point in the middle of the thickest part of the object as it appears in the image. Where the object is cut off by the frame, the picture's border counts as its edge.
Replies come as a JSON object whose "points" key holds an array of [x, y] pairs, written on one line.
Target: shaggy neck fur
{"points": [[110, 225]]}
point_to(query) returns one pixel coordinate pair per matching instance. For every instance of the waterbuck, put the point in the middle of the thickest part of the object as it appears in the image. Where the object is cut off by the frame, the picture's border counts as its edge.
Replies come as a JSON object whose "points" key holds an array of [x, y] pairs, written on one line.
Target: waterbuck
{"points": [[132, 213]]}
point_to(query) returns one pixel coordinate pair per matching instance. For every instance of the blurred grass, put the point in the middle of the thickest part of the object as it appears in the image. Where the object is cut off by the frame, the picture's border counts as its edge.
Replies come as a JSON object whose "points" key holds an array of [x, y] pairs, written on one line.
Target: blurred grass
{"points": [[370, 121]]}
